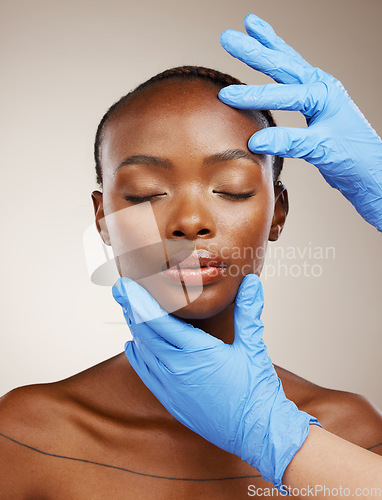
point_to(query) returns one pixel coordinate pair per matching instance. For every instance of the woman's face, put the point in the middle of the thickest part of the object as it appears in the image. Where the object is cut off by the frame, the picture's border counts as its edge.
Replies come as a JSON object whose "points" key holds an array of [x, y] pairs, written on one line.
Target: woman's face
{"points": [[179, 182]]}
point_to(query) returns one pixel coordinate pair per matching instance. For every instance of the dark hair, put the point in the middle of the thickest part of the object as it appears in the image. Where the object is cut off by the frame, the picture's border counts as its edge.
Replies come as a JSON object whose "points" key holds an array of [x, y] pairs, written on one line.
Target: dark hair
{"points": [[190, 73]]}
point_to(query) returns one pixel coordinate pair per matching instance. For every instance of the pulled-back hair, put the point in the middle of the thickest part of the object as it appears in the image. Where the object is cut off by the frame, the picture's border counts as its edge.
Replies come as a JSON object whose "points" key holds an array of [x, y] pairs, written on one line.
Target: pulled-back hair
{"points": [[189, 73]]}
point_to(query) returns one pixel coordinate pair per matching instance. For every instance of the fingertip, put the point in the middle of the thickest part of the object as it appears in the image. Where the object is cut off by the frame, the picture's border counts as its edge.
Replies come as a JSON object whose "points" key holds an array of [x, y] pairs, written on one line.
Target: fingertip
{"points": [[135, 359], [222, 93], [230, 93], [117, 290], [128, 346], [249, 301], [136, 301], [224, 37], [250, 284], [247, 18], [121, 287], [130, 351], [252, 143], [251, 20], [228, 37], [257, 143]]}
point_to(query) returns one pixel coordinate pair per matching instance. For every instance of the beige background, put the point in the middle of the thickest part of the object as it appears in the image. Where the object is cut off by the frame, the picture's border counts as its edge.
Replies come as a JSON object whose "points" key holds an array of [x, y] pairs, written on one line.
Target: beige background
{"points": [[63, 64]]}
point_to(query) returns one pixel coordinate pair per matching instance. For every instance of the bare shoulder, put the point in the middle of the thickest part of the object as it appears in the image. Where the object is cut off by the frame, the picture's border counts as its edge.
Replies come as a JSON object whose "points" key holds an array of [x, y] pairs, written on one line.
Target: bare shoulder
{"points": [[348, 415], [44, 428], [43, 411], [30, 407], [26, 416], [40, 425], [352, 417]]}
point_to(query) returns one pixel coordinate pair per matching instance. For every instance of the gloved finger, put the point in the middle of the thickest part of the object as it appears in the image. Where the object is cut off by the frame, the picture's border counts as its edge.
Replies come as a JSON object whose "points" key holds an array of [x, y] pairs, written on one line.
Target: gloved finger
{"points": [[167, 355], [183, 362], [140, 305], [288, 142], [264, 33], [309, 99], [144, 335], [125, 289], [248, 308], [131, 296], [155, 365], [279, 66]]}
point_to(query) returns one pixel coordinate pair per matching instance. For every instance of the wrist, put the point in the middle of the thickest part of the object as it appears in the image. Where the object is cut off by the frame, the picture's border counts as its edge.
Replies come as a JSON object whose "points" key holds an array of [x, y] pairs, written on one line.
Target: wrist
{"points": [[284, 433]]}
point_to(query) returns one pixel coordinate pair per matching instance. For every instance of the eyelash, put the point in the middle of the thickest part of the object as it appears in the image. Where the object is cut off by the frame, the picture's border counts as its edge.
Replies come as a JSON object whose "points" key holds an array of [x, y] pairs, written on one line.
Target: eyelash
{"points": [[141, 199], [243, 196]]}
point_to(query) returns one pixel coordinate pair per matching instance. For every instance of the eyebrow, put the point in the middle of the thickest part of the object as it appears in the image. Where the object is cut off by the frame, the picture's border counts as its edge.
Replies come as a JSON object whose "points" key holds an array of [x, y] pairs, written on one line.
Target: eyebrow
{"points": [[228, 155], [144, 160], [231, 154]]}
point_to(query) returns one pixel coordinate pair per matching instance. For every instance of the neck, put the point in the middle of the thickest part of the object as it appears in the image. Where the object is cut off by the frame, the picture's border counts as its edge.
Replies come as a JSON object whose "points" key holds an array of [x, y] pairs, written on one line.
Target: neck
{"points": [[220, 326]]}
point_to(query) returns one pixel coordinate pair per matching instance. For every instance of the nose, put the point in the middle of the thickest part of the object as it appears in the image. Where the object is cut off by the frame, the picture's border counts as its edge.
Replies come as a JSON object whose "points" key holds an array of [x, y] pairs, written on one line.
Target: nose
{"points": [[190, 219]]}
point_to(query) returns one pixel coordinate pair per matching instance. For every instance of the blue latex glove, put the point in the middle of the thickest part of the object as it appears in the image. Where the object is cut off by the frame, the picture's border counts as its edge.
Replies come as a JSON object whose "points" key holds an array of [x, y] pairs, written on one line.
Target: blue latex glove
{"points": [[338, 140], [229, 394]]}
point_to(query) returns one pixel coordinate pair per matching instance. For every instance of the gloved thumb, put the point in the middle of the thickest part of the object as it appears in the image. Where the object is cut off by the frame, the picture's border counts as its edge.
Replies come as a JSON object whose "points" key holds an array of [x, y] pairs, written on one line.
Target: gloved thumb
{"points": [[248, 308], [154, 325], [136, 301]]}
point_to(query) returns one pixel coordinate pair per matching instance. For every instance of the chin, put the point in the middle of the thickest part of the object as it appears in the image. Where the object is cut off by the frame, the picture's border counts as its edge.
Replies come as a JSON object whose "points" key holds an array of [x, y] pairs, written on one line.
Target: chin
{"points": [[205, 307]]}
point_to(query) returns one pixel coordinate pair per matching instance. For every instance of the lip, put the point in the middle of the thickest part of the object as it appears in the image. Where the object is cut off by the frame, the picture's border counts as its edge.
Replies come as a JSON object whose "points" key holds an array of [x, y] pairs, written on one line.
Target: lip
{"points": [[198, 268]]}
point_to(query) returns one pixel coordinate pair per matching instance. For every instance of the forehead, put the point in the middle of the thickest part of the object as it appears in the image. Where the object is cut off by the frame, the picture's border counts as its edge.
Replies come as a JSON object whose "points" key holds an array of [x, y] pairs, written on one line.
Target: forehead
{"points": [[176, 117]]}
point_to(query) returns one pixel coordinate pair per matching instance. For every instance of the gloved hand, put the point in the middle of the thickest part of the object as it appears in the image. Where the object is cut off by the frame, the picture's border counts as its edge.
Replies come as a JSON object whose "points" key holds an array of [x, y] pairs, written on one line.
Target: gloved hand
{"points": [[338, 140], [229, 394]]}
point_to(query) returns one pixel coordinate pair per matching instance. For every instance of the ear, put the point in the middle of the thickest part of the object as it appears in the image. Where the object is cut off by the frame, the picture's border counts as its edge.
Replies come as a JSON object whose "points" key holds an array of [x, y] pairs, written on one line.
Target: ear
{"points": [[280, 212], [97, 198]]}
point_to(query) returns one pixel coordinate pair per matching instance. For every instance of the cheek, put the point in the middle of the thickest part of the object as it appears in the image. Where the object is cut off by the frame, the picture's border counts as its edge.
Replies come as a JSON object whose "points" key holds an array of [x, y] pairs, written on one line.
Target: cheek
{"points": [[245, 235], [138, 253], [248, 222]]}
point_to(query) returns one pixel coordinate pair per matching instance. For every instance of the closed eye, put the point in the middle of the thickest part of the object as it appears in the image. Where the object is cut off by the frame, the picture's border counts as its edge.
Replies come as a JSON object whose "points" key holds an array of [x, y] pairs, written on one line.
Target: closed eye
{"points": [[141, 199], [240, 196]]}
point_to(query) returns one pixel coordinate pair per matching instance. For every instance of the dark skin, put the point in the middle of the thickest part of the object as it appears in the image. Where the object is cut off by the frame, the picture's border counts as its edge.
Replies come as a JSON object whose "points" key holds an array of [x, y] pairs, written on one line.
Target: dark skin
{"points": [[106, 414], [191, 199]]}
